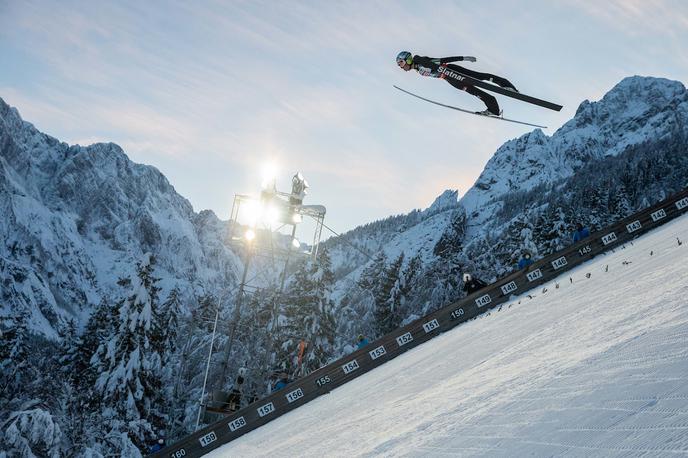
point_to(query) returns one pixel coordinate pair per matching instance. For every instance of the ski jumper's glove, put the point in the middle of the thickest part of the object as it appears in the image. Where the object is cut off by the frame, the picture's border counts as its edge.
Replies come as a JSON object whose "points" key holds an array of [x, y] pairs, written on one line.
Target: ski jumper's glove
{"points": [[470, 58]]}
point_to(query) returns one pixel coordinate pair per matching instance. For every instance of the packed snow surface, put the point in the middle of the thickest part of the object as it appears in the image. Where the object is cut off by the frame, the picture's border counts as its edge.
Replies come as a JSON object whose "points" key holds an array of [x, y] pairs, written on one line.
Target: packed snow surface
{"points": [[595, 367]]}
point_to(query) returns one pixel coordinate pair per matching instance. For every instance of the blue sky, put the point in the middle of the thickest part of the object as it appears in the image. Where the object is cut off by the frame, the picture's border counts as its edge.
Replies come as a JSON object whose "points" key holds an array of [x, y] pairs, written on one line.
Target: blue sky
{"points": [[208, 92]]}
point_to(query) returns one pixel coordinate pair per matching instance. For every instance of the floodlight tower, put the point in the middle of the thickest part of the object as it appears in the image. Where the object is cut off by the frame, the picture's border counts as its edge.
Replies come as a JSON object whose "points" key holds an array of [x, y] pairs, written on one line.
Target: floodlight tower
{"points": [[257, 227]]}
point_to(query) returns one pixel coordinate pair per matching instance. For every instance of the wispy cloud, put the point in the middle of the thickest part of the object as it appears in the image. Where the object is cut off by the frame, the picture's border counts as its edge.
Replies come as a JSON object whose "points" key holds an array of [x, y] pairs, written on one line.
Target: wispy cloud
{"points": [[638, 17], [219, 87]]}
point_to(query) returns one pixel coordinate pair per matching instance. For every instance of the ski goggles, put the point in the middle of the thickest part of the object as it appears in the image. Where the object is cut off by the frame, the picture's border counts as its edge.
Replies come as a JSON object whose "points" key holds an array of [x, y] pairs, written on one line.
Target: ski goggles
{"points": [[404, 62]]}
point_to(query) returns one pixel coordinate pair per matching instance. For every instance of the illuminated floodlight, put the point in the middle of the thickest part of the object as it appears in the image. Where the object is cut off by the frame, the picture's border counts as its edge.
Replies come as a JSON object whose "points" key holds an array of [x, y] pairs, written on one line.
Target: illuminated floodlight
{"points": [[296, 218], [271, 215], [253, 212], [249, 235], [295, 243], [269, 176]]}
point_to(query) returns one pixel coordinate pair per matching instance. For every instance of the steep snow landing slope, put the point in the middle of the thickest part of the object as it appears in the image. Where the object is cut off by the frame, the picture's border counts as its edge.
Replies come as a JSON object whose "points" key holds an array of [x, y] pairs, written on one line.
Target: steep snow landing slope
{"points": [[596, 367]]}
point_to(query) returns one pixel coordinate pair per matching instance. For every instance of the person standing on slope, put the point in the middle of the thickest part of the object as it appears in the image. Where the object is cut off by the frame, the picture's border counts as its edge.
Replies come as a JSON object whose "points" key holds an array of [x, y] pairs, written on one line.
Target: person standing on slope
{"points": [[428, 66]]}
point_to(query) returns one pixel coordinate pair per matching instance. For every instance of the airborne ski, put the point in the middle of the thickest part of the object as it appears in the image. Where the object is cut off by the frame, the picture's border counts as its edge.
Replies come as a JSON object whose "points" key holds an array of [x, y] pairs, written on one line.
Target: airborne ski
{"points": [[469, 111], [446, 72]]}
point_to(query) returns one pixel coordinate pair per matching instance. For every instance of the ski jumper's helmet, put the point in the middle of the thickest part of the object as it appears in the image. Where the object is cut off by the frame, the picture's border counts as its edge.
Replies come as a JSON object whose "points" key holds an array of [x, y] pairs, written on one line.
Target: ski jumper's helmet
{"points": [[404, 57]]}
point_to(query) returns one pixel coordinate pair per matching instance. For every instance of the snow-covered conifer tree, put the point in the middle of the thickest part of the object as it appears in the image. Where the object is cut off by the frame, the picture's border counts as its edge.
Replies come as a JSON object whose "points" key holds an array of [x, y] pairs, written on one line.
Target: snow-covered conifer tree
{"points": [[619, 204], [308, 309], [451, 241], [405, 295], [15, 368], [27, 426], [130, 382], [372, 274], [387, 293]]}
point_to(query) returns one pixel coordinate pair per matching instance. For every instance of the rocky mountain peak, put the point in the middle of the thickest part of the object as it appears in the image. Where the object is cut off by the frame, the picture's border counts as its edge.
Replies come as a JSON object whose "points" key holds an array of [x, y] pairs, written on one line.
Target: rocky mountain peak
{"points": [[76, 218], [448, 199], [635, 110]]}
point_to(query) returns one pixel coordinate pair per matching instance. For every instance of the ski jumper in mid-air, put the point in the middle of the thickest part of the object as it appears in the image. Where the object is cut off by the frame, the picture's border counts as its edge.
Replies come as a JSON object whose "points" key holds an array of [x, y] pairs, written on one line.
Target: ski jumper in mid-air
{"points": [[430, 66]]}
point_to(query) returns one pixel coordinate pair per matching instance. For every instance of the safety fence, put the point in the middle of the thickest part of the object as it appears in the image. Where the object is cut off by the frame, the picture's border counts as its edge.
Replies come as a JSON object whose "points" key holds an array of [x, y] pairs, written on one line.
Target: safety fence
{"points": [[407, 337]]}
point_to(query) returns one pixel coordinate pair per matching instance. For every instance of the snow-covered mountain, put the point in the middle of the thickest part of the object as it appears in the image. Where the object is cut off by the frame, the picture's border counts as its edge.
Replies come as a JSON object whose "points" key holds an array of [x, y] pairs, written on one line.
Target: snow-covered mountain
{"points": [[75, 219], [635, 111], [616, 155]]}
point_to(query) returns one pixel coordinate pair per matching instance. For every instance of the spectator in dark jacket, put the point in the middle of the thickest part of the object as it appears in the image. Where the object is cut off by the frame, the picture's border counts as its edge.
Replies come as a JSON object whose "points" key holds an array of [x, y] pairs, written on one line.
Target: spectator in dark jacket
{"points": [[471, 284], [234, 398], [580, 233], [525, 260]]}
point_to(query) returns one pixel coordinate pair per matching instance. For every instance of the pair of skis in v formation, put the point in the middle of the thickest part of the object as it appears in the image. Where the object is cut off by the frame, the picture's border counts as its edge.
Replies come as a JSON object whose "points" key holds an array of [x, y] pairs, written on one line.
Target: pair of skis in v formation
{"points": [[447, 73]]}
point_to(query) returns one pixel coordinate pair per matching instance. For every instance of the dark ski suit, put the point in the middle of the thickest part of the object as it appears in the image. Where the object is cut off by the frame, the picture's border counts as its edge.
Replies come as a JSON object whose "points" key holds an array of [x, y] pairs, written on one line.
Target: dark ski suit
{"points": [[234, 398], [428, 66], [473, 285]]}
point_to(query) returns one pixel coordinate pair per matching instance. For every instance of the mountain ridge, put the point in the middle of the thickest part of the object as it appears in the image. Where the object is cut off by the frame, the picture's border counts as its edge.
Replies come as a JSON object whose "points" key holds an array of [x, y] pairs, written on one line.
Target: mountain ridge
{"points": [[85, 215], [80, 217], [514, 201]]}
